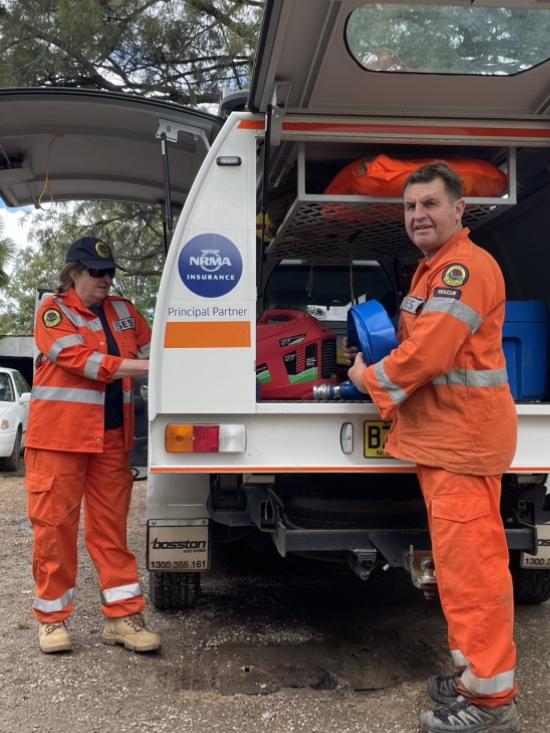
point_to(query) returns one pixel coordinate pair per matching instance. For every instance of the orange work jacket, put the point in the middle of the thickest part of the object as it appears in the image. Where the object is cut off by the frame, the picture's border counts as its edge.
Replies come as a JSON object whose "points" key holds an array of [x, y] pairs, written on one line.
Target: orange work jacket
{"points": [[445, 386], [68, 394]]}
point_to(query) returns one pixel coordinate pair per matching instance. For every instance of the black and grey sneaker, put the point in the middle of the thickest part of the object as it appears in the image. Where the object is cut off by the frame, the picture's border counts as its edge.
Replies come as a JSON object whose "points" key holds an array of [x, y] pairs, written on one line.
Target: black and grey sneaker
{"points": [[444, 689], [465, 717]]}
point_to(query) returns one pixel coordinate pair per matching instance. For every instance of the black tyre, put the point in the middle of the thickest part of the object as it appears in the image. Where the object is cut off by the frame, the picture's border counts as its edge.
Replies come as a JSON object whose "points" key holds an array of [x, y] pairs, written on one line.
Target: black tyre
{"points": [[174, 591], [530, 586], [11, 463]]}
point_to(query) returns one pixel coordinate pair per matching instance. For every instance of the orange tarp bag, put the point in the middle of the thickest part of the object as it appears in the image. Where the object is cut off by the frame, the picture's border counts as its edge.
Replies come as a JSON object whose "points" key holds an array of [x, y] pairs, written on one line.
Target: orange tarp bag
{"points": [[385, 176]]}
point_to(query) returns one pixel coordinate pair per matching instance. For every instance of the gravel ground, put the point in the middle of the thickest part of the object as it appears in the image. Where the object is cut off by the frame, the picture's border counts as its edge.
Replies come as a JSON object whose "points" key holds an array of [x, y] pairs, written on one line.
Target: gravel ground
{"points": [[275, 646]]}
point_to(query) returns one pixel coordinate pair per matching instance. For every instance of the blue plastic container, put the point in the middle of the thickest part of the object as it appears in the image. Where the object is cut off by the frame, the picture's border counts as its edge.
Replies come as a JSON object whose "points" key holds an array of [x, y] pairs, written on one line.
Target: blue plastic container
{"points": [[525, 344], [371, 330]]}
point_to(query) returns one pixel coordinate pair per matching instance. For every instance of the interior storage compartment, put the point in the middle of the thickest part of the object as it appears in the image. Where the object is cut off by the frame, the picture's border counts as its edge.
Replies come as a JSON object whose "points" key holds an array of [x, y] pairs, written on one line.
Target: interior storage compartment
{"points": [[525, 343], [320, 238], [327, 225]]}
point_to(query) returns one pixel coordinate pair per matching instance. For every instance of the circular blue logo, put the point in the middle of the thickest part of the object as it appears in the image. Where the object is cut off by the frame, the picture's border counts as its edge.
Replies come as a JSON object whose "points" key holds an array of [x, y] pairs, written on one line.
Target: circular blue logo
{"points": [[210, 265]]}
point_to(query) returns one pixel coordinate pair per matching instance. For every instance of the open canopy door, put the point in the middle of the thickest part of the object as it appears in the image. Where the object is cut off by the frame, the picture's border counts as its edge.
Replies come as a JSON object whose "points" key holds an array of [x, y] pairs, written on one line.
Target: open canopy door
{"points": [[351, 57], [61, 144]]}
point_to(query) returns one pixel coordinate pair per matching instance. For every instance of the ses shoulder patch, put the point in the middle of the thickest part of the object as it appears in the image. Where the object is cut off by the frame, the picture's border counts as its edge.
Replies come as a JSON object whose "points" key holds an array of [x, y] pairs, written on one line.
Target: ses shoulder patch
{"points": [[412, 304], [456, 275], [52, 317], [448, 293]]}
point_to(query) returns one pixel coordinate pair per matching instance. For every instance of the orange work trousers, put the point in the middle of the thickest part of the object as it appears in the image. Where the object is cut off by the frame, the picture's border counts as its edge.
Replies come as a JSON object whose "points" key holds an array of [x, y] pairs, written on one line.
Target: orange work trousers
{"points": [[474, 582], [57, 482]]}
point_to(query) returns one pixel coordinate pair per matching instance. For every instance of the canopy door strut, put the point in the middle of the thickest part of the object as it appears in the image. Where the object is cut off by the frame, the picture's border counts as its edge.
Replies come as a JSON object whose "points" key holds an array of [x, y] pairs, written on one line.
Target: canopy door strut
{"points": [[168, 131]]}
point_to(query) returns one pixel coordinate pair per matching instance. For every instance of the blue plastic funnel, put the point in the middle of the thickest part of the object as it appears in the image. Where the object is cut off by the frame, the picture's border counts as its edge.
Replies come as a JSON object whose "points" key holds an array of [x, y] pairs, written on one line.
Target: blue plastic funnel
{"points": [[370, 329]]}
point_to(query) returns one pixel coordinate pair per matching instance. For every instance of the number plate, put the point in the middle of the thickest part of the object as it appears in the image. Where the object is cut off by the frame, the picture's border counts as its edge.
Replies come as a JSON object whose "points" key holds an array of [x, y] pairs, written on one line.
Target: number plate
{"points": [[541, 560], [376, 432], [180, 549]]}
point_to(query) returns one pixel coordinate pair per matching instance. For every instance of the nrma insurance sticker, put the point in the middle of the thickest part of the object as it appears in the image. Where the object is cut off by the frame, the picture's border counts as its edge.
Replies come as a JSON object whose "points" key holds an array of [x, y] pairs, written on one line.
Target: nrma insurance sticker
{"points": [[210, 265]]}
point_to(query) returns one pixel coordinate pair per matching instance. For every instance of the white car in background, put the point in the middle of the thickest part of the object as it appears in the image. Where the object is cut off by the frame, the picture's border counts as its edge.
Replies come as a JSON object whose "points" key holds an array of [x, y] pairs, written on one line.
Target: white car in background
{"points": [[15, 396]]}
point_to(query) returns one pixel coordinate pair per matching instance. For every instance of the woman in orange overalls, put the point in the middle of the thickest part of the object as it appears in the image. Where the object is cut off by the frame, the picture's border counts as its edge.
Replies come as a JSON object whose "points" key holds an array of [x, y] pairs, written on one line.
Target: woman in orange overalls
{"points": [[79, 438]]}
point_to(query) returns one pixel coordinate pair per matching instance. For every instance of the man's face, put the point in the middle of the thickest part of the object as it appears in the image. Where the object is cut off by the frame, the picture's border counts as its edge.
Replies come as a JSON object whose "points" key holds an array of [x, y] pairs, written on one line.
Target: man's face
{"points": [[431, 218]]}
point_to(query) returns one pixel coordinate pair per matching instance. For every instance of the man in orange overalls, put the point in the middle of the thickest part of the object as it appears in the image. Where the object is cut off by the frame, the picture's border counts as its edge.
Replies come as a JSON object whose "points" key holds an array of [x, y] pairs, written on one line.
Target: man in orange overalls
{"points": [[81, 430], [446, 392]]}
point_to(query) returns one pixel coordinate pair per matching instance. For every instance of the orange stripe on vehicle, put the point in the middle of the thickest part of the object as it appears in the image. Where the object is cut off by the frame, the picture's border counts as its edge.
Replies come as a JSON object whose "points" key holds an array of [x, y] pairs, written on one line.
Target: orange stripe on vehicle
{"points": [[399, 129], [529, 469], [207, 335], [251, 125], [282, 469], [309, 469]]}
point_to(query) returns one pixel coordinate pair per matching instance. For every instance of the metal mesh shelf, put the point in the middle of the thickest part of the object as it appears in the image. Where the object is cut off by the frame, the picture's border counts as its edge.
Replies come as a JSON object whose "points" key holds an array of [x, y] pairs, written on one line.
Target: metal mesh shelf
{"points": [[328, 227]]}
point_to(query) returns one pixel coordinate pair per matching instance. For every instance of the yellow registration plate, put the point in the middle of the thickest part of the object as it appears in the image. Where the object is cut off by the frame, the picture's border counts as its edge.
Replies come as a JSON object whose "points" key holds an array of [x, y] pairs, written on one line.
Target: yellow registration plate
{"points": [[376, 432]]}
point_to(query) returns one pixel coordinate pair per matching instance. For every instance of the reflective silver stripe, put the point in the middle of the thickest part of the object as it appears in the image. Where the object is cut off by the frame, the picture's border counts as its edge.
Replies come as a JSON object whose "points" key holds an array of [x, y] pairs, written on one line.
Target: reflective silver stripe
{"points": [[57, 605], [487, 686], [121, 308], [71, 394], [75, 319], [454, 308], [93, 324], [127, 397], [91, 369], [473, 378], [121, 592], [63, 343], [144, 351], [396, 393], [459, 660]]}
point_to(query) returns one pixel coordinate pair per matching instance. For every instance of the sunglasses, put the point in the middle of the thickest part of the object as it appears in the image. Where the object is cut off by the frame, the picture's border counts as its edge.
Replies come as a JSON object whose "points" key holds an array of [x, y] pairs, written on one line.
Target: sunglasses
{"points": [[93, 272]]}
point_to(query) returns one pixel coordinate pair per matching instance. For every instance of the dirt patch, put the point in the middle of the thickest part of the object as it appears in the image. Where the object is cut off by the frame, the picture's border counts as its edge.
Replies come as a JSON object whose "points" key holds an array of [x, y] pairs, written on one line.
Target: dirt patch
{"points": [[274, 645]]}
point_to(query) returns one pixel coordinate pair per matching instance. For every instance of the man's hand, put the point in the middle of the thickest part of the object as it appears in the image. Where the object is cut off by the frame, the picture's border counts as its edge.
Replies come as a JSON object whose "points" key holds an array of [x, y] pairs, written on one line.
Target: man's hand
{"points": [[356, 372], [350, 352]]}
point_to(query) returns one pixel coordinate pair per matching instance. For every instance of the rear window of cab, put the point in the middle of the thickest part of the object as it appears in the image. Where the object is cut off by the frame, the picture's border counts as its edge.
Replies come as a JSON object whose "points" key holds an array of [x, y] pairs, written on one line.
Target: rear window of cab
{"points": [[448, 39]]}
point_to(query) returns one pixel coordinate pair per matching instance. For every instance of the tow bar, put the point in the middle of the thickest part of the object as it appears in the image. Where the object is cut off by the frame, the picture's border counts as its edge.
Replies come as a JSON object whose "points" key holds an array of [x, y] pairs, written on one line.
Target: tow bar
{"points": [[421, 567]]}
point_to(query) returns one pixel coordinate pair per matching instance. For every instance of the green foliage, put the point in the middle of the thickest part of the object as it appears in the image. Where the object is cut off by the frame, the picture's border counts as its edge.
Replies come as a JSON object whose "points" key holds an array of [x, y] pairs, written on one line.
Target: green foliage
{"points": [[186, 51], [7, 249], [453, 39], [135, 233]]}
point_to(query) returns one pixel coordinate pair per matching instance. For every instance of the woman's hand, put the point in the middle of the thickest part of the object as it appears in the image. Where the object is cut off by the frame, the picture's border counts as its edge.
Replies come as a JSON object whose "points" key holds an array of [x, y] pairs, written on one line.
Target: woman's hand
{"points": [[132, 368]]}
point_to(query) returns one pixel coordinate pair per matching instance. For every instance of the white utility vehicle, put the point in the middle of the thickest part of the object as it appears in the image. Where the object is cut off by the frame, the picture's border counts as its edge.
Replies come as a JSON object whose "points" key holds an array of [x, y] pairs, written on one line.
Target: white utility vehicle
{"points": [[229, 452]]}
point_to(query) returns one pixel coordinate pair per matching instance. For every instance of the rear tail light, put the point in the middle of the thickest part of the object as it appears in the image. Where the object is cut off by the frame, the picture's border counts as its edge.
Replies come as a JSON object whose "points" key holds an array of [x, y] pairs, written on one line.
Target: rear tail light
{"points": [[185, 438], [206, 438]]}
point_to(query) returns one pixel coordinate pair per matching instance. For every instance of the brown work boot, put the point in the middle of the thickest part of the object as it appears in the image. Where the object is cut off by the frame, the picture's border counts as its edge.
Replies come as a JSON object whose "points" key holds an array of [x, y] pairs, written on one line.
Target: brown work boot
{"points": [[131, 632], [54, 638]]}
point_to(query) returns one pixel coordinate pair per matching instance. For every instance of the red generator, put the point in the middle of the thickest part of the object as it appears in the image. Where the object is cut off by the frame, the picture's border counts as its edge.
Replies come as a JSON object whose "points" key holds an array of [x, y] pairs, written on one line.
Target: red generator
{"points": [[294, 352]]}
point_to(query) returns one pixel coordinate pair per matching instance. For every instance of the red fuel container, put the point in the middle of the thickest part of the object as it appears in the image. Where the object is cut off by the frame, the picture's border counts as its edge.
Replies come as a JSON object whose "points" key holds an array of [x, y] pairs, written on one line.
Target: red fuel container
{"points": [[294, 352]]}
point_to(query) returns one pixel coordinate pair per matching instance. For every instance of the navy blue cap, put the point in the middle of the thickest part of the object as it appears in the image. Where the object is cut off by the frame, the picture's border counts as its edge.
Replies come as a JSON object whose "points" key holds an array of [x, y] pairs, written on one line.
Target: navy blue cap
{"points": [[91, 252]]}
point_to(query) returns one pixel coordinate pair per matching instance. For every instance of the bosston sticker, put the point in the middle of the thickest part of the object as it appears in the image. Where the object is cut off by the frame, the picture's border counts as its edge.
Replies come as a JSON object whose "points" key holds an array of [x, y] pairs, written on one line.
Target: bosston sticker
{"points": [[456, 275], [51, 317], [103, 250]]}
